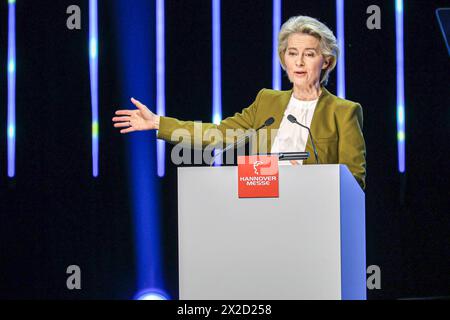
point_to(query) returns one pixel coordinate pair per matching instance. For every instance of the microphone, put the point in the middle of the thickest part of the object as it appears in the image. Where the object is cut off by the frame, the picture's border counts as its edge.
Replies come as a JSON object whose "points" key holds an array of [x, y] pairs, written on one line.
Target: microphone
{"points": [[267, 123], [292, 119]]}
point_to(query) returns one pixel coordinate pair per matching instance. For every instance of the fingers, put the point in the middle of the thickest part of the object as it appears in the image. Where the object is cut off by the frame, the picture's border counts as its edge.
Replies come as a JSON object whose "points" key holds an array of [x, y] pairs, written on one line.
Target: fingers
{"points": [[116, 119], [138, 104], [293, 162], [121, 122], [127, 130], [124, 121], [124, 112], [122, 125]]}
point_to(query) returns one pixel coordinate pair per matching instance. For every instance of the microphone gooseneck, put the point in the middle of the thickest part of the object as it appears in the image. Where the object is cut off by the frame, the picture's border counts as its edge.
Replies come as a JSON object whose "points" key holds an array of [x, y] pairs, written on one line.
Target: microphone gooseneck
{"points": [[267, 123], [292, 119]]}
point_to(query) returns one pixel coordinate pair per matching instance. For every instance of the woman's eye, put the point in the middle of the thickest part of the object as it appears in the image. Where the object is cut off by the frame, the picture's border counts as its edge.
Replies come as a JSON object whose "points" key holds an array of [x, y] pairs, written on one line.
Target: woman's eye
{"points": [[310, 54], [292, 53]]}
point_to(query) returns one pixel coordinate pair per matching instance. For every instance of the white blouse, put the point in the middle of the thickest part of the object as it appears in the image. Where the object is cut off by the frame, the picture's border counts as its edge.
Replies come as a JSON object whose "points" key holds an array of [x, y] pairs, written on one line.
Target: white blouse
{"points": [[291, 137]]}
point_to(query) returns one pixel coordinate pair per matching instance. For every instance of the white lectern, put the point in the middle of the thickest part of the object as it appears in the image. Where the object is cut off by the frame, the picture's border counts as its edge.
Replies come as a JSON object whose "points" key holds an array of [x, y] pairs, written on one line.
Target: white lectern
{"points": [[307, 244]]}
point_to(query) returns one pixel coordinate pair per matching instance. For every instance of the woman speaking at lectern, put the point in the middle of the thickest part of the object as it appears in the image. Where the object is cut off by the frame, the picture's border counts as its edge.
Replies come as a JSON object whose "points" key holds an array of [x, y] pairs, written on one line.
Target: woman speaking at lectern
{"points": [[308, 52]]}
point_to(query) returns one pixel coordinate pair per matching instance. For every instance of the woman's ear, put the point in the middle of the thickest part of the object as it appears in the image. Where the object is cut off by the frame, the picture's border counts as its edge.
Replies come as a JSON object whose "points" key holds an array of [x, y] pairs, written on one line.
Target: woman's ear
{"points": [[326, 63]]}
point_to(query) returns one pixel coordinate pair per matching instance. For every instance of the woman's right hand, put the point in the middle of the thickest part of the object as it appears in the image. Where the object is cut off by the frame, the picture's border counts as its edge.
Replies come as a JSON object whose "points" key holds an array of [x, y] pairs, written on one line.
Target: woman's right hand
{"points": [[136, 120]]}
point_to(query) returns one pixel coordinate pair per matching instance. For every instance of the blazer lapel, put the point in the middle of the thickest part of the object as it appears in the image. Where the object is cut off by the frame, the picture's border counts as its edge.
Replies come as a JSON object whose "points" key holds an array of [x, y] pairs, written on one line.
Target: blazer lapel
{"points": [[279, 112], [318, 116], [281, 104]]}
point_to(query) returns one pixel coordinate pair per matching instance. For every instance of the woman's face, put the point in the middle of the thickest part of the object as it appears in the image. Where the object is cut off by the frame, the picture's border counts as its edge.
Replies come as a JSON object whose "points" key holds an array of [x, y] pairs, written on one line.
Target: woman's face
{"points": [[304, 61]]}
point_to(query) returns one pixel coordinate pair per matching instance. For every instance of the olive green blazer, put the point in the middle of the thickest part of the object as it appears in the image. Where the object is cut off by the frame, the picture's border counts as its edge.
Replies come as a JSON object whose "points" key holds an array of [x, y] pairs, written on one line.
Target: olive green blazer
{"points": [[336, 128]]}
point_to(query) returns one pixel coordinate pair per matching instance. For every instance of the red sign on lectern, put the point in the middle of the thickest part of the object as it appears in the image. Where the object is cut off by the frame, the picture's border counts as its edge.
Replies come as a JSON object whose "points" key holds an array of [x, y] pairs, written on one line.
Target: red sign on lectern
{"points": [[258, 176]]}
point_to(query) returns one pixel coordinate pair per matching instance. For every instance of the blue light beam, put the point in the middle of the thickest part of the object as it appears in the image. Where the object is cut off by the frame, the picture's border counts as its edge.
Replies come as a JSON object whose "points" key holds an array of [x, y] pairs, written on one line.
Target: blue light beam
{"points": [[401, 136], [340, 22], [11, 67], [160, 81], [136, 39], [217, 69], [93, 65], [276, 24]]}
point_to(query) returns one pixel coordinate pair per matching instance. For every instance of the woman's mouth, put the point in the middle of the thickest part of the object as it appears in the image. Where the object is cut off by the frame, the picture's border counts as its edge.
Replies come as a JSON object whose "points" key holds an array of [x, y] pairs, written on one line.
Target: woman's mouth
{"points": [[300, 73]]}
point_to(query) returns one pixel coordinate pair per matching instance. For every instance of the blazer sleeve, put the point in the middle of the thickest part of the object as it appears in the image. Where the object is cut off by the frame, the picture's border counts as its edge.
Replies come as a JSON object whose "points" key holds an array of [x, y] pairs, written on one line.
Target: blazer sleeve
{"points": [[352, 147], [198, 134]]}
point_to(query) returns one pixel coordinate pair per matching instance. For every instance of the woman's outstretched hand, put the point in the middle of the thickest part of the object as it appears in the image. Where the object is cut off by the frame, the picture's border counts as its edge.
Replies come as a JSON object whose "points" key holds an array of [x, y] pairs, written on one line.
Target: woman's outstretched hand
{"points": [[136, 120]]}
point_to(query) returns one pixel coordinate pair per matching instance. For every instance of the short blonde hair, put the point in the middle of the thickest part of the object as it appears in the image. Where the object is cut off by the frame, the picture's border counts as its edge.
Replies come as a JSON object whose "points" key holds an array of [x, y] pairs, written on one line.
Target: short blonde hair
{"points": [[307, 25]]}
